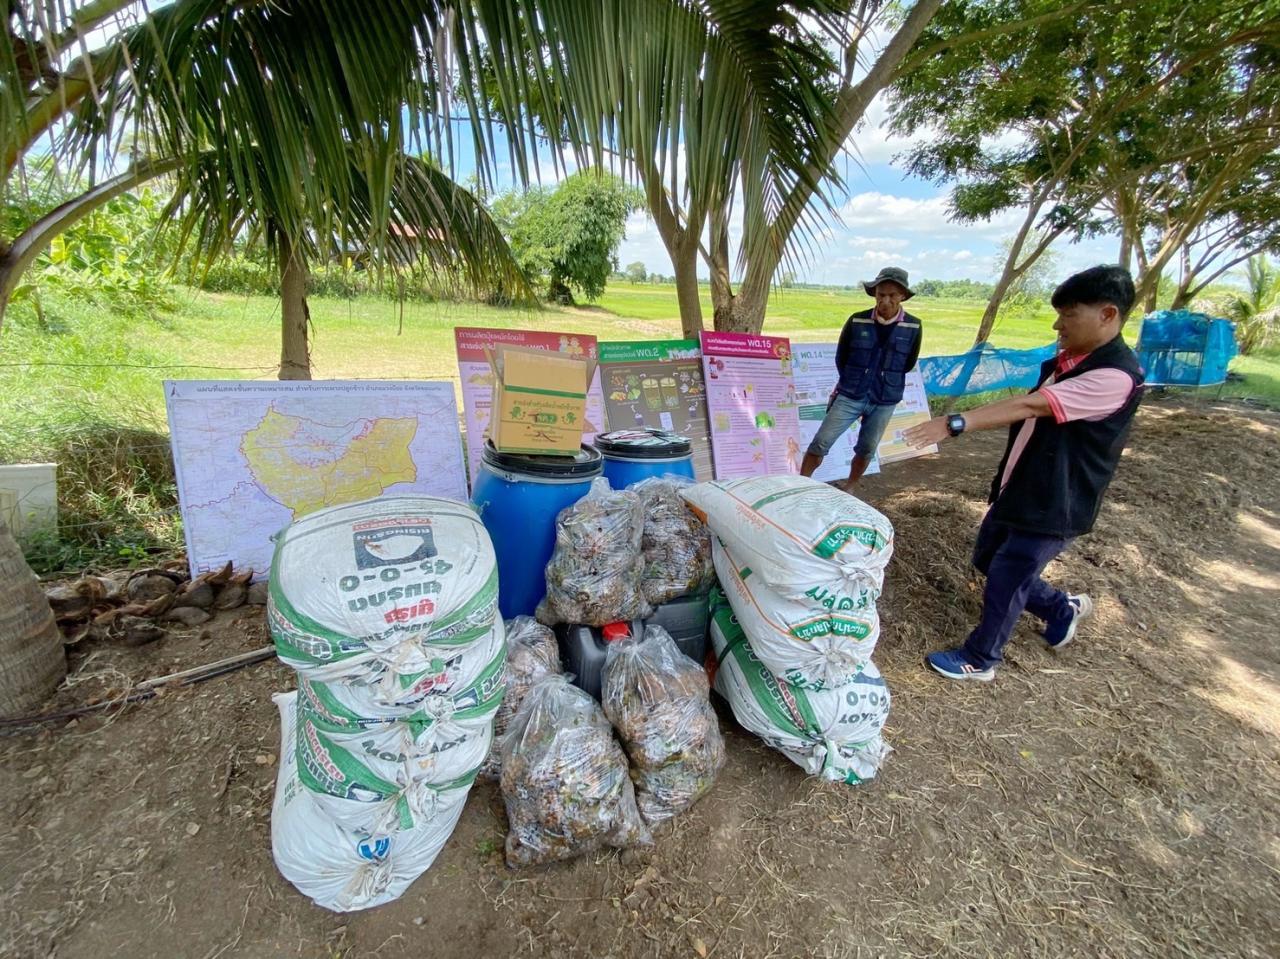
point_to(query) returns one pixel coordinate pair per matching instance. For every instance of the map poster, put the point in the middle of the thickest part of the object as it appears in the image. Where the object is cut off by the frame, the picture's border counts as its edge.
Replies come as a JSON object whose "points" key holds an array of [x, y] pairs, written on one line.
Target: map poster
{"points": [[252, 457], [751, 399], [816, 376], [814, 370], [658, 383], [477, 378]]}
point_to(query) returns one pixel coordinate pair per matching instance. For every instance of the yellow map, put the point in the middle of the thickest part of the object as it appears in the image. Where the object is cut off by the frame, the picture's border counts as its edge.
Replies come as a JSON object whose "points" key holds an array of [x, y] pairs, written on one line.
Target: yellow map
{"points": [[306, 465]]}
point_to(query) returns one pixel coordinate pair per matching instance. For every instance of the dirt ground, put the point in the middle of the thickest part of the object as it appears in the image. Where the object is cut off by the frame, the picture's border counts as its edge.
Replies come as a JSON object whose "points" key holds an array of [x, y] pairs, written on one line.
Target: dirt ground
{"points": [[1121, 798]]}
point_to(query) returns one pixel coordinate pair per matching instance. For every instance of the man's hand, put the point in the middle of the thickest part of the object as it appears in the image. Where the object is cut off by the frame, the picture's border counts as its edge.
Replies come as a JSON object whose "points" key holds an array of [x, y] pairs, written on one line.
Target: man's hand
{"points": [[926, 434]]}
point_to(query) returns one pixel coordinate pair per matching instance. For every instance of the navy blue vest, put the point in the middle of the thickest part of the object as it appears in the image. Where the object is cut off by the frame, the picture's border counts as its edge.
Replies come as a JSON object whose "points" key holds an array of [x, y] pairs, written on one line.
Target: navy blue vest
{"points": [[873, 371], [1057, 485]]}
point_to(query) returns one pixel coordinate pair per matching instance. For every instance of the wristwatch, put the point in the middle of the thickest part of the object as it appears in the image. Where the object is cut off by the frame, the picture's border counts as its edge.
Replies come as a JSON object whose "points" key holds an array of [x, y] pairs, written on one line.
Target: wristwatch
{"points": [[955, 424]]}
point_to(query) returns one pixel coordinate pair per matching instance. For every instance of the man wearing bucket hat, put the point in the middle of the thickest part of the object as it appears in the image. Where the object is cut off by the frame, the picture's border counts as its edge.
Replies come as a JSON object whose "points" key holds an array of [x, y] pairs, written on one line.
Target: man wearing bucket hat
{"points": [[878, 348]]}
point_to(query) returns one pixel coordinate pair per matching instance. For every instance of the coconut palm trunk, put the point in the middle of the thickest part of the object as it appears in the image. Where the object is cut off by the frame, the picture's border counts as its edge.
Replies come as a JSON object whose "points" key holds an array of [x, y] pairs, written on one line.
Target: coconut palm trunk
{"points": [[32, 660]]}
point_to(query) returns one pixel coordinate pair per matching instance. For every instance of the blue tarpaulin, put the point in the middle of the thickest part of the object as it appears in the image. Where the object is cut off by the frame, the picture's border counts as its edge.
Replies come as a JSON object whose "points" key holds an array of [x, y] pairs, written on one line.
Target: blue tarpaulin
{"points": [[1175, 348], [1178, 348], [983, 369]]}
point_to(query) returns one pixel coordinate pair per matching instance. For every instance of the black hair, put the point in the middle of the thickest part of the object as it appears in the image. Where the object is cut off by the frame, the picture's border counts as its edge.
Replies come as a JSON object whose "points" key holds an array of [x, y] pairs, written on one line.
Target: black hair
{"points": [[1097, 285]]}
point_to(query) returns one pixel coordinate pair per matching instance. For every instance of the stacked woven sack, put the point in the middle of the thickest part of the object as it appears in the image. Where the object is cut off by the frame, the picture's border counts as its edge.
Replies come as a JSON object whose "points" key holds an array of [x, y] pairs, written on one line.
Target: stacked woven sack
{"points": [[387, 610], [794, 623]]}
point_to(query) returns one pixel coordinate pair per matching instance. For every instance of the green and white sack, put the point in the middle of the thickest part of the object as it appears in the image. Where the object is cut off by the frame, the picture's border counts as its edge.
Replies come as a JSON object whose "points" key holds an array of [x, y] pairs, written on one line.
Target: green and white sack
{"points": [[381, 584], [832, 733], [376, 693], [808, 644], [807, 541], [381, 770], [338, 866]]}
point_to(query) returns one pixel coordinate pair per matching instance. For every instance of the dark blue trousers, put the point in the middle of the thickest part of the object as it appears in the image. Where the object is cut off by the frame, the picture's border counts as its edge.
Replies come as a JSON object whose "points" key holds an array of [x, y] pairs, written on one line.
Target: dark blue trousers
{"points": [[1012, 561]]}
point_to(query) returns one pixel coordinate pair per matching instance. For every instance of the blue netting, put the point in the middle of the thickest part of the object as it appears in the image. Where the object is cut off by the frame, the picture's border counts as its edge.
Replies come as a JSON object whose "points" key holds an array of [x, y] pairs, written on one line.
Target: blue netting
{"points": [[982, 369], [1178, 348]]}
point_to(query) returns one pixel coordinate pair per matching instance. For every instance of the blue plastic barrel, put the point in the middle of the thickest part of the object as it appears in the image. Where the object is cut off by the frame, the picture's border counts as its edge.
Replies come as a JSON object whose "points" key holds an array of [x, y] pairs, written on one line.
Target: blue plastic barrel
{"points": [[637, 454], [518, 497]]}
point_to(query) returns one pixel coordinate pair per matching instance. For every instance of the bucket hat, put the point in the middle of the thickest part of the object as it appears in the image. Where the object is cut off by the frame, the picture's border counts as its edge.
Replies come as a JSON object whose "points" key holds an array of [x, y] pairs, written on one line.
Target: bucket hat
{"points": [[893, 274]]}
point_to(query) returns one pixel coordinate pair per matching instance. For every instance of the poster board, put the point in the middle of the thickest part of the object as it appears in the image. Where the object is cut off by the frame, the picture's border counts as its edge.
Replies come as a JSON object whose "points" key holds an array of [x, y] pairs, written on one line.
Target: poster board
{"points": [[751, 401], [814, 371], [913, 409], [477, 377], [658, 383], [252, 457], [815, 378]]}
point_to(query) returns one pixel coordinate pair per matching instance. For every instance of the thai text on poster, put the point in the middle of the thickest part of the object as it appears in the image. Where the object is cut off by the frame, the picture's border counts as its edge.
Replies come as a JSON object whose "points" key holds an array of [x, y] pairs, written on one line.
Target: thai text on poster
{"points": [[814, 370], [658, 383], [751, 400]]}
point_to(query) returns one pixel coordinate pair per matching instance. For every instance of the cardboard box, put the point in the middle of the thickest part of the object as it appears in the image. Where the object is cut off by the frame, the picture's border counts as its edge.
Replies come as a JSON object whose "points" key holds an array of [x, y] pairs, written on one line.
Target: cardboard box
{"points": [[539, 400]]}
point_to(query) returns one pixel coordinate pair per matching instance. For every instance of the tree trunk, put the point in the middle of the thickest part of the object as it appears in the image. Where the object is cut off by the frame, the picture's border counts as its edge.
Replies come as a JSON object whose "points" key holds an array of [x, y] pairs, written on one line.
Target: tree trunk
{"points": [[744, 311], [295, 352], [1126, 248], [684, 257], [1011, 269], [32, 660], [1182, 294]]}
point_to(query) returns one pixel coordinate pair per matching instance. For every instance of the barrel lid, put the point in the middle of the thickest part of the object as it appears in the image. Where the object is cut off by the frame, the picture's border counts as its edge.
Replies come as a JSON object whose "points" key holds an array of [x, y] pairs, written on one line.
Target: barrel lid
{"points": [[646, 443], [585, 463]]}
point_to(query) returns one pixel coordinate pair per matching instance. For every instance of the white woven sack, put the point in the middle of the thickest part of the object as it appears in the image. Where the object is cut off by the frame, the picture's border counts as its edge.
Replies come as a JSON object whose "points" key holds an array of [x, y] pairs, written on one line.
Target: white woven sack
{"points": [[805, 643], [832, 733], [372, 691], [808, 541], [337, 866], [387, 581]]}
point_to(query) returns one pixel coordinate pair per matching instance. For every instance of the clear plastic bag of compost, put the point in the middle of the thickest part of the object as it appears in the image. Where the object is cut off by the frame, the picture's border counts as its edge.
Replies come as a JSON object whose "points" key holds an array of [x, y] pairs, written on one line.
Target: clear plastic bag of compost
{"points": [[564, 779], [675, 543], [532, 655], [593, 577], [657, 699]]}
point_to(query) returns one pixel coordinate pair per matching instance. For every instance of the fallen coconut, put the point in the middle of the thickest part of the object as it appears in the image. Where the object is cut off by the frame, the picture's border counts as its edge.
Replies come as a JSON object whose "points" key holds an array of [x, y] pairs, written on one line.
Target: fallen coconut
{"points": [[137, 631], [187, 616], [149, 585], [231, 596], [195, 593]]}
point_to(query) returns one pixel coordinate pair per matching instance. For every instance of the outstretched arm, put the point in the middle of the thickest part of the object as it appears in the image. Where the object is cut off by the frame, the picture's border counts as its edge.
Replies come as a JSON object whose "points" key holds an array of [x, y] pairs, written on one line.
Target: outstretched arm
{"points": [[989, 417]]}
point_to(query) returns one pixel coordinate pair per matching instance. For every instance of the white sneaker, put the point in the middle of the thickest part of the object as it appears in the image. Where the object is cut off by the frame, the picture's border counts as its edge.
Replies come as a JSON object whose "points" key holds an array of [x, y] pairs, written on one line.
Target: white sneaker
{"points": [[1083, 607]]}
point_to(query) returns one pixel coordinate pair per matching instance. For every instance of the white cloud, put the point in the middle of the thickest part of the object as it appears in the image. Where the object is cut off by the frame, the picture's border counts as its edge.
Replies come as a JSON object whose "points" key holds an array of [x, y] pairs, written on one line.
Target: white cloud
{"points": [[889, 213], [860, 241], [872, 143]]}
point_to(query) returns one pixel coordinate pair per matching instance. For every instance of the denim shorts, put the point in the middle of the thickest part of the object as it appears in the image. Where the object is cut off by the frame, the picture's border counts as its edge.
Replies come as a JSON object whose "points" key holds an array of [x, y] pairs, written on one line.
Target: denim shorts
{"points": [[842, 414]]}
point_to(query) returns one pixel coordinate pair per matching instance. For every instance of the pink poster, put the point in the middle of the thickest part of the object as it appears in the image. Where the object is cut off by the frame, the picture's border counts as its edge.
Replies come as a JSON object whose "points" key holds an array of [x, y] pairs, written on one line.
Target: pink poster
{"points": [[477, 378], [751, 401]]}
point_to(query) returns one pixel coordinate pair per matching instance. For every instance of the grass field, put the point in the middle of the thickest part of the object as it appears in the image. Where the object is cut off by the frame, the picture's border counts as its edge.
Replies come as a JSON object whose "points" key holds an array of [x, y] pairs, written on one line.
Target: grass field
{"points": [[114, 366], [85, 390]]}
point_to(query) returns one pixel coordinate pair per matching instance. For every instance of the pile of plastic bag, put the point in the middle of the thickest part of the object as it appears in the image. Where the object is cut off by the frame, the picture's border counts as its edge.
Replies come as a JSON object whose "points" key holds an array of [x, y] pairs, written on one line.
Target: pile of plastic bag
{"points": [[676, 544], [657, 699], [532, 655], [564, 779], [594, 575], [801, 566], [387, 610]]}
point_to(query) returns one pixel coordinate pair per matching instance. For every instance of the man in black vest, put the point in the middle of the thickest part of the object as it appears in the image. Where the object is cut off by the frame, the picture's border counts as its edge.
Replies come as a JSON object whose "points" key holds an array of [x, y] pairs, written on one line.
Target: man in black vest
{"points": [[877, 349], [1065, 440]]}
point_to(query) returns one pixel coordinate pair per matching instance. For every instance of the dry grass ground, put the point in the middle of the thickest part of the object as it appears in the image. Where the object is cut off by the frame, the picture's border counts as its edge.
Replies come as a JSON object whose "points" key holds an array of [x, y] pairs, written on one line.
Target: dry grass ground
{"points": [[1121, 798]]}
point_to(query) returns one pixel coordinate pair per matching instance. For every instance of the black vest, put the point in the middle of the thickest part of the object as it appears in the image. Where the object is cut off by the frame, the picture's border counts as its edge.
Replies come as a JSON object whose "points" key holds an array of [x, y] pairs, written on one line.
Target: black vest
{"points": [[875, 372], [1057, 484]]}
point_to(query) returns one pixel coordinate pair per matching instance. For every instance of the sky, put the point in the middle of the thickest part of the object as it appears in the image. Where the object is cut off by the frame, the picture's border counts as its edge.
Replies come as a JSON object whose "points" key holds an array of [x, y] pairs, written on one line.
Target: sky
{"points": [[889, 219]]}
